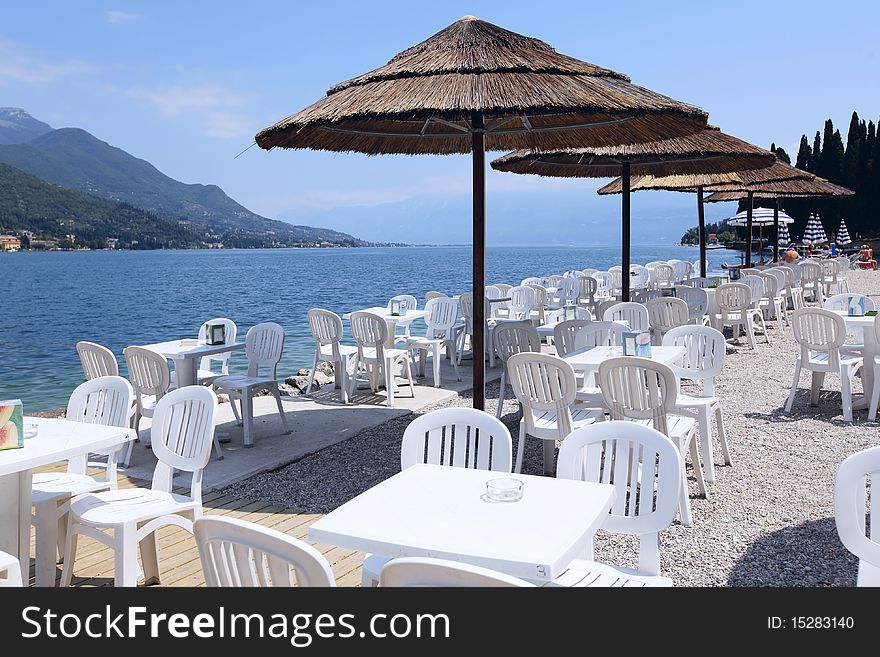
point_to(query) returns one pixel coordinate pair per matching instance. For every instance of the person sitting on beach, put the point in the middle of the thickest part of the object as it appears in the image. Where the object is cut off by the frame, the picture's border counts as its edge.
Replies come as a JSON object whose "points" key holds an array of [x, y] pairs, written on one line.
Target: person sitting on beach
{"points": [[866, 255], [790, 256]]}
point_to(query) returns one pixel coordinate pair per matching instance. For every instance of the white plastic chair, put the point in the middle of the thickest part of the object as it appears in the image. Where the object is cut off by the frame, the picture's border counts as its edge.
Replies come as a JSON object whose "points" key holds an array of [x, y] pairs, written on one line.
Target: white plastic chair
{"points": [[851, 502], [545, 386], [205, 373], [429, 572], [182, 433], [841, 302], [532, 280], [10, 571], [812, 280], [821, 333], [513, 338], [441, 320], [567, 292], [781, 284], [407, 302], [875, 393], [792, 292], [734, 301], [844, 266], [564, 334], [600, 334], [772, 302], [96, 360], [702, 362], [150, 376], [326, 327], [466, 336], [645, 391], [681, 270], [433, 294], [639, 277], [697, 300], [662, 275], [666, 313], [589, 290], [370, 332], [830, 273], [521, 304], [264, 344], [634, 314], [604, 282], [236, 553], [643, 296], [644, 466], [104, 401], [539, 309], [457, 437]]}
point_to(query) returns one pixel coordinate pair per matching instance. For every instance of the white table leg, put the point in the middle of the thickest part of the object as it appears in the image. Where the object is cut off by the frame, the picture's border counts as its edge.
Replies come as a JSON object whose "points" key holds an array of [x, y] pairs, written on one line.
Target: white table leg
{"points": [[868, 382], [185, 370], [15, 519]]}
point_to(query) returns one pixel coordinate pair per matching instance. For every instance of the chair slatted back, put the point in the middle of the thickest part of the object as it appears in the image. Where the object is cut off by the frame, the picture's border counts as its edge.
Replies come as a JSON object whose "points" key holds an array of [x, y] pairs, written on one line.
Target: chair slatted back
{"points": [[264, 344], [97, 360], [565, 333], [638, 389], [665, 313], [634, 314], [458, 437], [821, 331], [148, 371], [542, 383]]}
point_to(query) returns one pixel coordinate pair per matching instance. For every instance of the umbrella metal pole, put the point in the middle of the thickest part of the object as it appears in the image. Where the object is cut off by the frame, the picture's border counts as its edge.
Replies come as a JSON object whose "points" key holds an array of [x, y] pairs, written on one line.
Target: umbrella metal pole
{"points": [[478, 152], [776, 230], [624, 234], [749, 229], [701, 222]]}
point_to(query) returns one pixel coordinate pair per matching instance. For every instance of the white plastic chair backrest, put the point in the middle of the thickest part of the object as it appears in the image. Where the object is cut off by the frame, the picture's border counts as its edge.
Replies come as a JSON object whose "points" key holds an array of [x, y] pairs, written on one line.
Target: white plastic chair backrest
{"points": [[433, 294], [841, 301], [638, 389], [97, 360], [491, 309], [432, 573], [148, 371], [771, 285], [811, 271], [589, 271], [696, 298], [680, 270], [442, 315], [851, 502], [700, 282], [665, 313], [182, 435], [589, 288], [105, 401], [642, 296], [781, 282], [10, 571], [542, 383], [552, 280], [600, 334], [704, 356], [756, 285], [522, 301], [264, 344], [532, 280], [638, 277], [466, 304], [616, 279], [370, 332], [237, 553], [642, 464], [504, 288], [568, 290], [634, 314], [664, 275], [748, 271], [790, 279], [844, 265], [540, 296], [515, 337], [796, 272], [407, 301], [460, 437], [326, 327], [615, 268], [564, 334], [229, 335], [830, 267], [819, 330], [733, 297], [653, 263], [603, 282]]}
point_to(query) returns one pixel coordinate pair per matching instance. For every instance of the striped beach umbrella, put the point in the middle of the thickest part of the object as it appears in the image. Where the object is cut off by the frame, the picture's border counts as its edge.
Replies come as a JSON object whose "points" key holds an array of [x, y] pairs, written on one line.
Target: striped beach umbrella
{"points": [[760, 217], [814, 233], [783, 239], [843, 237]]}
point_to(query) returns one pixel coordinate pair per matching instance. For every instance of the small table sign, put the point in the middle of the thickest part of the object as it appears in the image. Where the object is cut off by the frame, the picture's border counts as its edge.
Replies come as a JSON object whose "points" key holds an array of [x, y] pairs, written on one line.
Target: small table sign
{"points": [[11, 420], [215, 334], [637, 343]]}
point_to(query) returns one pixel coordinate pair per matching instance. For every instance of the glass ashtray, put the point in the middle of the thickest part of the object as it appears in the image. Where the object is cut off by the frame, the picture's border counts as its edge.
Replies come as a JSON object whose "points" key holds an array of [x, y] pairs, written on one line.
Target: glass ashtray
{"points": [[505, 489], [30, 429]]}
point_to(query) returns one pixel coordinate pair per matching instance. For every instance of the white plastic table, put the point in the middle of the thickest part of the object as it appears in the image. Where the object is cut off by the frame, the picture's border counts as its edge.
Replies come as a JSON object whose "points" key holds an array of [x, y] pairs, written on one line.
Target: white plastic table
{"points": [[438, 511], [56, 440], [588, 360], [186, 353], [866, 325], [391, 320]]}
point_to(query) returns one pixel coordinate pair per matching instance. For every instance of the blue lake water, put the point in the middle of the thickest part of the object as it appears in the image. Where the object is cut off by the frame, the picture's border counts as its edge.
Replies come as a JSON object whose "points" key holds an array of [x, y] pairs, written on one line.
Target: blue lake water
{"points": [[122, 298]]}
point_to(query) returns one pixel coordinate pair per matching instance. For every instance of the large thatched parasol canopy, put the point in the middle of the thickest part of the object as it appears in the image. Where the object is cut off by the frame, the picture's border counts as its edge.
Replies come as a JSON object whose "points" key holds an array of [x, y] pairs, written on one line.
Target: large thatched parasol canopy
{"points": [[474, 86], [817, 187], [709, 151]]}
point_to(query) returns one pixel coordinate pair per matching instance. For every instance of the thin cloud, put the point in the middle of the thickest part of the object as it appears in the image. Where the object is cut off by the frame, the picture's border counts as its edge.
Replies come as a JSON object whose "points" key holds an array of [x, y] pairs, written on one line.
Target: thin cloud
{"points": [[116, 16], [219, 110], [19, 64]]}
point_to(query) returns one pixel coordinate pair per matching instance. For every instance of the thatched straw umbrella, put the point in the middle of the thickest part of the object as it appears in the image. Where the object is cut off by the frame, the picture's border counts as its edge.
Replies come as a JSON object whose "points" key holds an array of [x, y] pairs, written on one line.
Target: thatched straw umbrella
{"points": [[474, 86], [696, 183], [795, 188]]}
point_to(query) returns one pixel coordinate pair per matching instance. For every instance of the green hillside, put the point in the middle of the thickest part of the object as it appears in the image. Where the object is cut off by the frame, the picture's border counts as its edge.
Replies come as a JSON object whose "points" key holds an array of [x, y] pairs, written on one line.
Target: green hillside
{"points": [[52, 213]]}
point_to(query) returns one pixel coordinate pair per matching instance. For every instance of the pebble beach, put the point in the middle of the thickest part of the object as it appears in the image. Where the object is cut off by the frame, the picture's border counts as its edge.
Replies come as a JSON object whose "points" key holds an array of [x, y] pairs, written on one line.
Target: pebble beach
{"points": [[769, 519]]}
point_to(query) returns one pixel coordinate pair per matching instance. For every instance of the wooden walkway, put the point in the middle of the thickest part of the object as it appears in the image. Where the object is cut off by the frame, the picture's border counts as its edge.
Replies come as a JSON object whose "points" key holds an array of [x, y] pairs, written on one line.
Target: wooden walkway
{"points": [[178, 556]]}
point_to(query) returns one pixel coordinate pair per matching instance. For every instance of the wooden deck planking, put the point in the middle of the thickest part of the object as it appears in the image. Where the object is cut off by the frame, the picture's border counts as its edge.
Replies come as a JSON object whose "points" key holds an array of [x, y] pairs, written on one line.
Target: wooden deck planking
{"points": [[178, 555]]}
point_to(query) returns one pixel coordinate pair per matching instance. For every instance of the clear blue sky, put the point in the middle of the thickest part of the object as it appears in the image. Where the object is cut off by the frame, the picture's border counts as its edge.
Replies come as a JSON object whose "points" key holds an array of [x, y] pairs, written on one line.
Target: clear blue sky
{"points": [[186, 85]]}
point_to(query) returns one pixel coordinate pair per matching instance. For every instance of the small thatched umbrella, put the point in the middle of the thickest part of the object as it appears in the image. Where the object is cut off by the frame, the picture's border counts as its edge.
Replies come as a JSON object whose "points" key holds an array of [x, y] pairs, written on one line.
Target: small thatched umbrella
{"points": [[474, 86], [709, 151], [794, 188], [696, 183]]}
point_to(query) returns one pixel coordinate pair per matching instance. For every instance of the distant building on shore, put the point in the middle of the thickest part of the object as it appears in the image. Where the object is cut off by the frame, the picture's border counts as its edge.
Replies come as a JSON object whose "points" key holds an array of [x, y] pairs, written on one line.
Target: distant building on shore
{"points": [[9, 243], [112, 242]]}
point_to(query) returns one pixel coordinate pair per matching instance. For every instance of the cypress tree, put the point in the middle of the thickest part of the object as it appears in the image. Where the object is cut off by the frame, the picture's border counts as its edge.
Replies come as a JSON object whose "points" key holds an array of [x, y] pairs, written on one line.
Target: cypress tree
{"points": [[817, 153], [804, 154]]}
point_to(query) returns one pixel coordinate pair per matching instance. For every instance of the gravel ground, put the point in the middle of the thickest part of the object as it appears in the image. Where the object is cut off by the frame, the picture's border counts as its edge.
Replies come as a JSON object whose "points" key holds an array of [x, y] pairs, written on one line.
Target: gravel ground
{"points": [[770, 520]]}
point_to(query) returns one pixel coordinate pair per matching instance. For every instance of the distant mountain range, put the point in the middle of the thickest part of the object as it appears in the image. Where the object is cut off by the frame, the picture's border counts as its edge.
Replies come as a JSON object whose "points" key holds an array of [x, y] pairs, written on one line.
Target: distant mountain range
{"points": [[73, 158]]}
